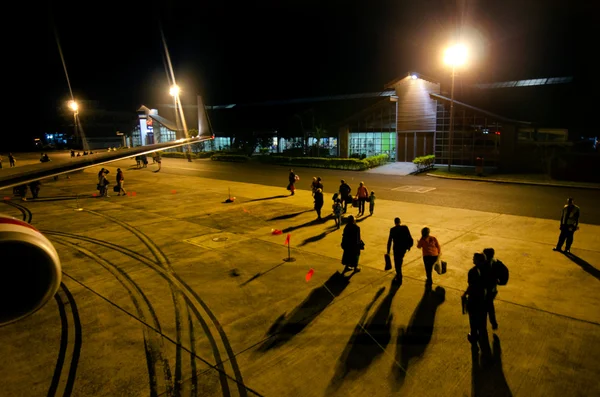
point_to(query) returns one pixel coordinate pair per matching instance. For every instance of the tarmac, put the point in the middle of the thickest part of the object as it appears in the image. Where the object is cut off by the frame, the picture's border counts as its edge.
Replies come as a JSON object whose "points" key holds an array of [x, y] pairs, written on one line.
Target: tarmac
{"points": [[172, 291]]}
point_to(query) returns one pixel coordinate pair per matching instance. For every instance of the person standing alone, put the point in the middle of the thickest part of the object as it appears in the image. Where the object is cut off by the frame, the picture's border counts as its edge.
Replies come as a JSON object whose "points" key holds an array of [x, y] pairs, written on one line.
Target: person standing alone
{"points": [[403, 242], [120, 182], [569, 223]]}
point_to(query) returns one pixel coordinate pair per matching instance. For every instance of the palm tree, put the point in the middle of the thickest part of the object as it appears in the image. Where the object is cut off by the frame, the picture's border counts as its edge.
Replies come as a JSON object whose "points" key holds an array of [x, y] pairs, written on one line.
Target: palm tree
{"points": [[319, 134]]}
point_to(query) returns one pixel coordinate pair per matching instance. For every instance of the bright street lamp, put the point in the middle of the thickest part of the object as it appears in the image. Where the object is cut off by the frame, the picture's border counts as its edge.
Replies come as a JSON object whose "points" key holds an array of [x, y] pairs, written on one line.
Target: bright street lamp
{"points": [[454, 56], [174, 90], [73, 105]]}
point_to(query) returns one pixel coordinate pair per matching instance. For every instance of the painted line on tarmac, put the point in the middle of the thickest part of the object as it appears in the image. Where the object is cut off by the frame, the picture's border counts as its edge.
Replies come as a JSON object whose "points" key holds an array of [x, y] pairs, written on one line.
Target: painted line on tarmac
{"points": [[194, 169]]}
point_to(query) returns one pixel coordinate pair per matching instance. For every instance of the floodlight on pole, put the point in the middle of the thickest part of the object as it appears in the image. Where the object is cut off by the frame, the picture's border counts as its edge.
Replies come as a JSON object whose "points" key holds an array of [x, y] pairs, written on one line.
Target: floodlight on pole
{"points": [[73, 105], [174, 90], [454, 56]]}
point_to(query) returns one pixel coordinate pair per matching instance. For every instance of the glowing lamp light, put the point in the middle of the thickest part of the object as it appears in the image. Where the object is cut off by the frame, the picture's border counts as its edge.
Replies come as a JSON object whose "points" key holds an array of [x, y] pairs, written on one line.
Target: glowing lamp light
{"points": [[174, 90], [73, 105], [455, 55], [414, 76]]}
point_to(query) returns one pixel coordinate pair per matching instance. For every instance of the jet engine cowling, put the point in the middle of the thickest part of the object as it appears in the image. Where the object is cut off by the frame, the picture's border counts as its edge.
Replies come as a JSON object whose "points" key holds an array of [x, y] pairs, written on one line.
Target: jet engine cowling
{"points": [[30, 270]]}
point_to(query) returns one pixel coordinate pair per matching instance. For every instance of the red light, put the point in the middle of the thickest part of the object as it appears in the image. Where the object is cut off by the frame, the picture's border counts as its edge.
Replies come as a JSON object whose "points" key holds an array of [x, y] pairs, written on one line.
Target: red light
{"points": [[497, 132]]}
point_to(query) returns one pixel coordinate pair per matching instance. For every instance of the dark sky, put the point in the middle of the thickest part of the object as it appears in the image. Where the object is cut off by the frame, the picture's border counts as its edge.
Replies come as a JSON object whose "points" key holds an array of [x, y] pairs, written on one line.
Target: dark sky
{"points": [[258, 50]]}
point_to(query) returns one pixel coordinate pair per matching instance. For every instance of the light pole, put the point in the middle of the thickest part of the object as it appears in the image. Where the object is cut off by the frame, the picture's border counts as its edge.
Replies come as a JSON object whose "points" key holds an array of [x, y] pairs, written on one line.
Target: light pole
{"points": [[454, 56], [74, 106], [174, 91]]}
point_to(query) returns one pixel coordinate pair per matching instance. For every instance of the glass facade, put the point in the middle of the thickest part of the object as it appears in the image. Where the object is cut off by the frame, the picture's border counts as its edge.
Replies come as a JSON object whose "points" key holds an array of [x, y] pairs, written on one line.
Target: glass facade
{"points": [[372, 144], [475, 135], [164, 134], [373, 132]]}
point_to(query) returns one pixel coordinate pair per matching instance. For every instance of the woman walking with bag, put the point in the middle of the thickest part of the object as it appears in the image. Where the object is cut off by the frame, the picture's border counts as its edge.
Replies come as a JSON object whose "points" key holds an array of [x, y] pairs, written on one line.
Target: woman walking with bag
{"points": [[431, 251], [351, 244]]}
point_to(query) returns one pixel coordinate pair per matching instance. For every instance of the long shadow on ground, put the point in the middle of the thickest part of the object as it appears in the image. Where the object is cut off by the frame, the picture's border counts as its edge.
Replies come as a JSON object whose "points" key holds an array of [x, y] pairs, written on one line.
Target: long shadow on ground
{"points": [[289, 216], [268, 198], [318, 237], [584, 265], [488, 376], [413, 340], [288, 326], [369, 339]]}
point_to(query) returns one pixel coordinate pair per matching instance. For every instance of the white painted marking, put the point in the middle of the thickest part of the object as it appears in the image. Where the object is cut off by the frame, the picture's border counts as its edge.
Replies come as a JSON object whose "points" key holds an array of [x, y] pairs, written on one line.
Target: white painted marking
{"points": [[413, 189]]}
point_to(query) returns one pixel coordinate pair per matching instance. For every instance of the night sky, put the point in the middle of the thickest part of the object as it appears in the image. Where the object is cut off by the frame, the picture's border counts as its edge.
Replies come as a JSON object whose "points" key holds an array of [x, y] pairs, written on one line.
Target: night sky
{"points": [[259, 50]]}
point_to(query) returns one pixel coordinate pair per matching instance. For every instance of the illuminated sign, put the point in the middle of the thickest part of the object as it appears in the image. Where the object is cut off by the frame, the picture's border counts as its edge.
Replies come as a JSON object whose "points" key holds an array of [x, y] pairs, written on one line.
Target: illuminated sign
{"points": [[149, 122]]}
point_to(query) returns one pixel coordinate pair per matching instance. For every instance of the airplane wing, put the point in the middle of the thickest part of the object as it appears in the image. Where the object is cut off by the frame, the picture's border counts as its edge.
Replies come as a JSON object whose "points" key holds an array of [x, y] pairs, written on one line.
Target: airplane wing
{"points": [[17, 176]]}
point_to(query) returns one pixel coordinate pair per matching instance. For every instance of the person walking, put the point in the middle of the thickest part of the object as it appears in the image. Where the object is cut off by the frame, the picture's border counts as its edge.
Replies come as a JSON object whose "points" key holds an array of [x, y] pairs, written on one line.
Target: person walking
{"points": [[159, 161], [11, 160], [138, 161], [431, 251], [372, 203], [345, 196], [319, 202], [569, 223], [492, 288], [476, 296], [120, 182], [352, 245], [362, 194], [337, 212], [72, 153], [103, 183], [314, 185], [35, 188], [292, 181], [403, 241]]}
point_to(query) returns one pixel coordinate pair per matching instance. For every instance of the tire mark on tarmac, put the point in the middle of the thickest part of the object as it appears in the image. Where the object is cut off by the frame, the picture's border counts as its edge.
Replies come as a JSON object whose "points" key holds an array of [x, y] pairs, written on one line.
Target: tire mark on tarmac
{"points": [[64, 335], [152, 343], [176, 296], [25, 212], [182, 286], [64, 344], [164, 261]]}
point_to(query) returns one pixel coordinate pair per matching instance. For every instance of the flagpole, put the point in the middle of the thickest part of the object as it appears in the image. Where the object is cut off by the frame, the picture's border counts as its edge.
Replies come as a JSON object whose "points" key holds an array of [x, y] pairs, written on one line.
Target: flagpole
{"points": [[289, 242]]}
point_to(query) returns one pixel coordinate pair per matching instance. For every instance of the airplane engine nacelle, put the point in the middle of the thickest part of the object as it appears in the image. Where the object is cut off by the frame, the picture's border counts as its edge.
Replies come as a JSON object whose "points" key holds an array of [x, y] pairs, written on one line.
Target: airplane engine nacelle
{"points": [[30, 271]]}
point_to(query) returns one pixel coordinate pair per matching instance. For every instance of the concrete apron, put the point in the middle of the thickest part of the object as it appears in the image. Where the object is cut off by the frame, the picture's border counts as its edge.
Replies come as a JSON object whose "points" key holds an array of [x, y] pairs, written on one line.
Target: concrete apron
{"points": [[235, 301]]}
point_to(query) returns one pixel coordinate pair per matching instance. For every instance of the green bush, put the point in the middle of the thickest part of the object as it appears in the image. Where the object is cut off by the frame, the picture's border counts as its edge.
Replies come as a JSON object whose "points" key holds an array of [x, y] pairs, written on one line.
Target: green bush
{"points": [[175, 155], [205, 155], [230, 157], [321, 162], [424, 162]]}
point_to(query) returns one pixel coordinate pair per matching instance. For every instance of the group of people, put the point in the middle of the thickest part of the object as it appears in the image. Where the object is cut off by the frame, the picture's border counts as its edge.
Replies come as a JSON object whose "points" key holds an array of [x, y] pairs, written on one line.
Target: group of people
{"points": [[340, 199], [482, 279], [103, 183], [85, 153]]}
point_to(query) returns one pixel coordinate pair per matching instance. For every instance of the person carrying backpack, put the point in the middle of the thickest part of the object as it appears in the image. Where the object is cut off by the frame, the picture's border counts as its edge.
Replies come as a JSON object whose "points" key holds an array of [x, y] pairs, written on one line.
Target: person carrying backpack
{"points": [[499, 277]]}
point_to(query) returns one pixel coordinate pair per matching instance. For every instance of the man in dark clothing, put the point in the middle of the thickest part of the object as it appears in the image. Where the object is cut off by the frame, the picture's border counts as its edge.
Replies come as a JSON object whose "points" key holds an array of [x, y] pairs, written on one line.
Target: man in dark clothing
{"points": [[569, 223], [292, 181], [318, 202], [403, 242], [476, 294], [492, 288], [345, 190]]}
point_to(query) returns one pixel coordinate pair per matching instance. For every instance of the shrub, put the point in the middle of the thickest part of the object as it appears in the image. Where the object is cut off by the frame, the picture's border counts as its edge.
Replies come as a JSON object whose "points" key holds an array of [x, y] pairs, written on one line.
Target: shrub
{"points": [[424, 162], [321, 162], [230, 157], [175, 155], [205, 155]]}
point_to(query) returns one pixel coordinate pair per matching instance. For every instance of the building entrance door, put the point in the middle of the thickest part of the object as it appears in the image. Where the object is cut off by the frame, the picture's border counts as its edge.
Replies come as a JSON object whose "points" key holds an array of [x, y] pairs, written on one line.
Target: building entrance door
{"points": [[414, 144]]}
